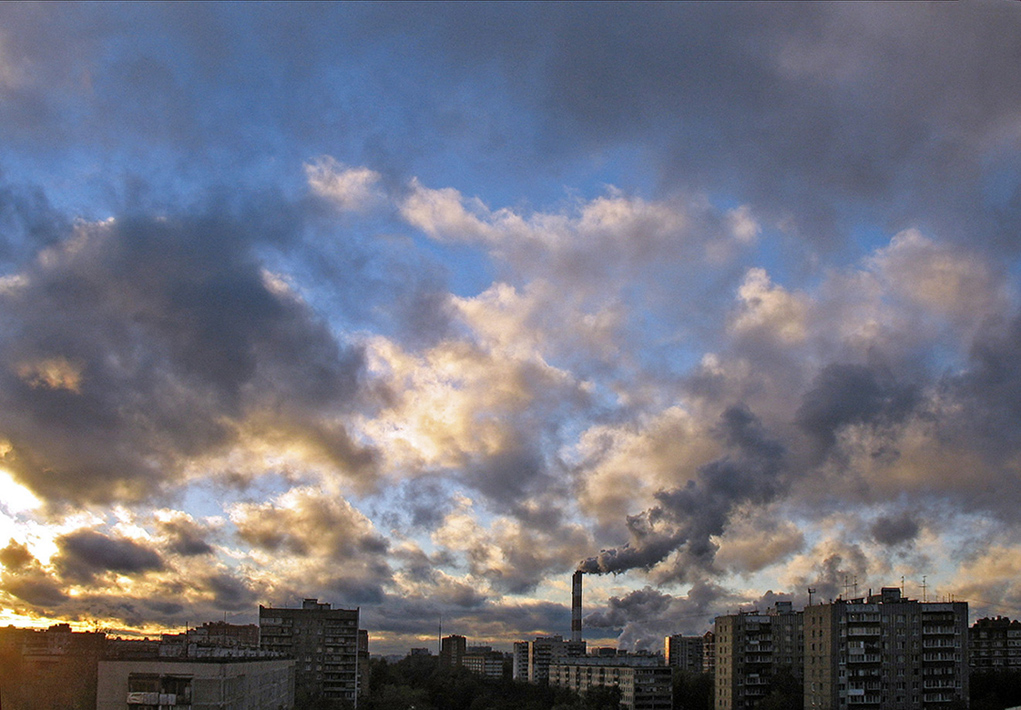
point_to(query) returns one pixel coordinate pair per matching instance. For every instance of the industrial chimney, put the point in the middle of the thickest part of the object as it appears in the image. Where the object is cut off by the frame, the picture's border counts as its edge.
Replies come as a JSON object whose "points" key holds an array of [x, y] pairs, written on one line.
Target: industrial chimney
{"points": [[576, 607]]}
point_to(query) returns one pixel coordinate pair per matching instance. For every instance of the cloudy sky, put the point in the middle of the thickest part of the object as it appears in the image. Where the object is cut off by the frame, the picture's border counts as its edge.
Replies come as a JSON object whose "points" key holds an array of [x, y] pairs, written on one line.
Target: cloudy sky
{"points": [[418, 307]]}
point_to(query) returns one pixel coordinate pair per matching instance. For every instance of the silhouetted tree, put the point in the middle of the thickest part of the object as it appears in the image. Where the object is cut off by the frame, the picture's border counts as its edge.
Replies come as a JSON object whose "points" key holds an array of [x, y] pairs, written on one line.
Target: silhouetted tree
{"points": [[692, 691], [786, 691], [995, 689]]}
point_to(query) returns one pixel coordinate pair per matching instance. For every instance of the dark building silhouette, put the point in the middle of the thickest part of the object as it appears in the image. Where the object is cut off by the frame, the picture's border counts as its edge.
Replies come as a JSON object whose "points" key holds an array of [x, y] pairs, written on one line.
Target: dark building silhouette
{"points": [[452, 651], [995, 644], [43, 670]]}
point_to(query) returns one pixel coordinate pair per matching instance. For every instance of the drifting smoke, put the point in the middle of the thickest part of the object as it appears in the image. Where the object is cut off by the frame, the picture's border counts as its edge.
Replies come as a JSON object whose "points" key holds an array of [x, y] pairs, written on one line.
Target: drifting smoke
{"points": [[686, 519]]}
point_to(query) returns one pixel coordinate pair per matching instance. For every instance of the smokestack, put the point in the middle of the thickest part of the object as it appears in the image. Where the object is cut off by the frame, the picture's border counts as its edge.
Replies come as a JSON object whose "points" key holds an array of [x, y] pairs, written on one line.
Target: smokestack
{"points": [[576, 607]]}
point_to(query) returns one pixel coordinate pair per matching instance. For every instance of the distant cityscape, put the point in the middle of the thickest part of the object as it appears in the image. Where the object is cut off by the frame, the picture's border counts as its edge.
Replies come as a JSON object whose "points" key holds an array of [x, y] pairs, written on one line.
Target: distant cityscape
{"points": [[882, 651]]}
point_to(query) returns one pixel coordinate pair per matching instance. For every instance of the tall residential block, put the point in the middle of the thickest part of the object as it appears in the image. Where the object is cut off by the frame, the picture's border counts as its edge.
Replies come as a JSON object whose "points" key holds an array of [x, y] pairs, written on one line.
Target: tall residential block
{"points": [[886, 652], [322, 641], [684, 652], [519, 666], [544, 650], [452, 651], [709, 652], [750, 649]]}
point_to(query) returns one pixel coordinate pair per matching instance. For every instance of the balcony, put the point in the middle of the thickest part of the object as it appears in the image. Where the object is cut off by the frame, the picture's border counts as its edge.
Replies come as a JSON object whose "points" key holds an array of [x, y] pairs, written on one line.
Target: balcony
{"points": [[864, 699], [864, 658]]}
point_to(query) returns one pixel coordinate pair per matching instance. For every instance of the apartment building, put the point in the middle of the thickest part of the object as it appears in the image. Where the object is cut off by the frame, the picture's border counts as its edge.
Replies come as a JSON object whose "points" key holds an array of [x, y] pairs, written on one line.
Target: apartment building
{"points": [[995, 644], [885, 652], [483, 660], [709, 652], [684, 652], [452, 651], [545, 649], [324, 642], [750, 648], [244, 684], [644, 683]]}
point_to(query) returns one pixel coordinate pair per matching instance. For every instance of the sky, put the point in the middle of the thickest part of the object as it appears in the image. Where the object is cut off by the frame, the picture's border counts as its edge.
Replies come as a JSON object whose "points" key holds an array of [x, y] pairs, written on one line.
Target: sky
{"points": [[418, 308]]}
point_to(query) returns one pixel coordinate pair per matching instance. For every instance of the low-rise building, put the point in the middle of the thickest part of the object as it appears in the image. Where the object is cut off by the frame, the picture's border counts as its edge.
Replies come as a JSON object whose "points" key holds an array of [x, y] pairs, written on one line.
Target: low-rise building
{"points": [[995, 644], [644, 683], [484, 662], [239, 684]]}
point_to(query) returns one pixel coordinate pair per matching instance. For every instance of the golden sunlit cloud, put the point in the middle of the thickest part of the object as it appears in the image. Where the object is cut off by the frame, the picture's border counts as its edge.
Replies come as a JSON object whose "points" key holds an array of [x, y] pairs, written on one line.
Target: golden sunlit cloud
{"points": [[53, 373]]}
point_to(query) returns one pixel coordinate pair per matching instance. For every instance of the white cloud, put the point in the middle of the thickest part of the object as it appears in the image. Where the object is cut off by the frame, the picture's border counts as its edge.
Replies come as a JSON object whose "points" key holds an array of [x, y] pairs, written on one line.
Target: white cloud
{"points": [[769, 310], [350, 189]]}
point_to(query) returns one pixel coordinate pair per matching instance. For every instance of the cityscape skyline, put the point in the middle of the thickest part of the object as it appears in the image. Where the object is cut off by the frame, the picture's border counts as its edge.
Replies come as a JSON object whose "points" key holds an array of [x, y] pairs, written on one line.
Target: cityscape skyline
{"points": [[421, 308]]}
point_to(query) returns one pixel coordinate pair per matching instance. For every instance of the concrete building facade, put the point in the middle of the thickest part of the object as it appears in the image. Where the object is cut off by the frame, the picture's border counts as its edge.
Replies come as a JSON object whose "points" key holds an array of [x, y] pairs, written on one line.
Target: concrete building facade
{"points": [[452, 651], [995, 644], [750, 648], [644, 683], [324, 642], [52, 668], [709, 652], [519, 664], [885, 652], [484, 662], [684, 652], [239, 684], [544, 650]]}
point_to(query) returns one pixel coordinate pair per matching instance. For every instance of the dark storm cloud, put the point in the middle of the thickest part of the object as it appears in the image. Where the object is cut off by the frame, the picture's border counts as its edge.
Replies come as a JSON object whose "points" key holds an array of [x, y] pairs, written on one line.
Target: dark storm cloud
{"points": [[229, 592], [853, 394], [641, 618], [185, 537], [424, 501], [502, 622], [37, 589], [810, 113], [25, 579], [135, 344], [516, 480], [992, 388], [84, 554], [893, 531], [837, 574], [687, 518], [641, 603]]}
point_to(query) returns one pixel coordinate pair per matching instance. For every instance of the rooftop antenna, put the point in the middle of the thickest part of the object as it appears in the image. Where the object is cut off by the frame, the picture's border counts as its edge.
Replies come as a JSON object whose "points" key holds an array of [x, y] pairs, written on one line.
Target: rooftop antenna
{"points": [[925, 598], [847, 585], [811, 591]]}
